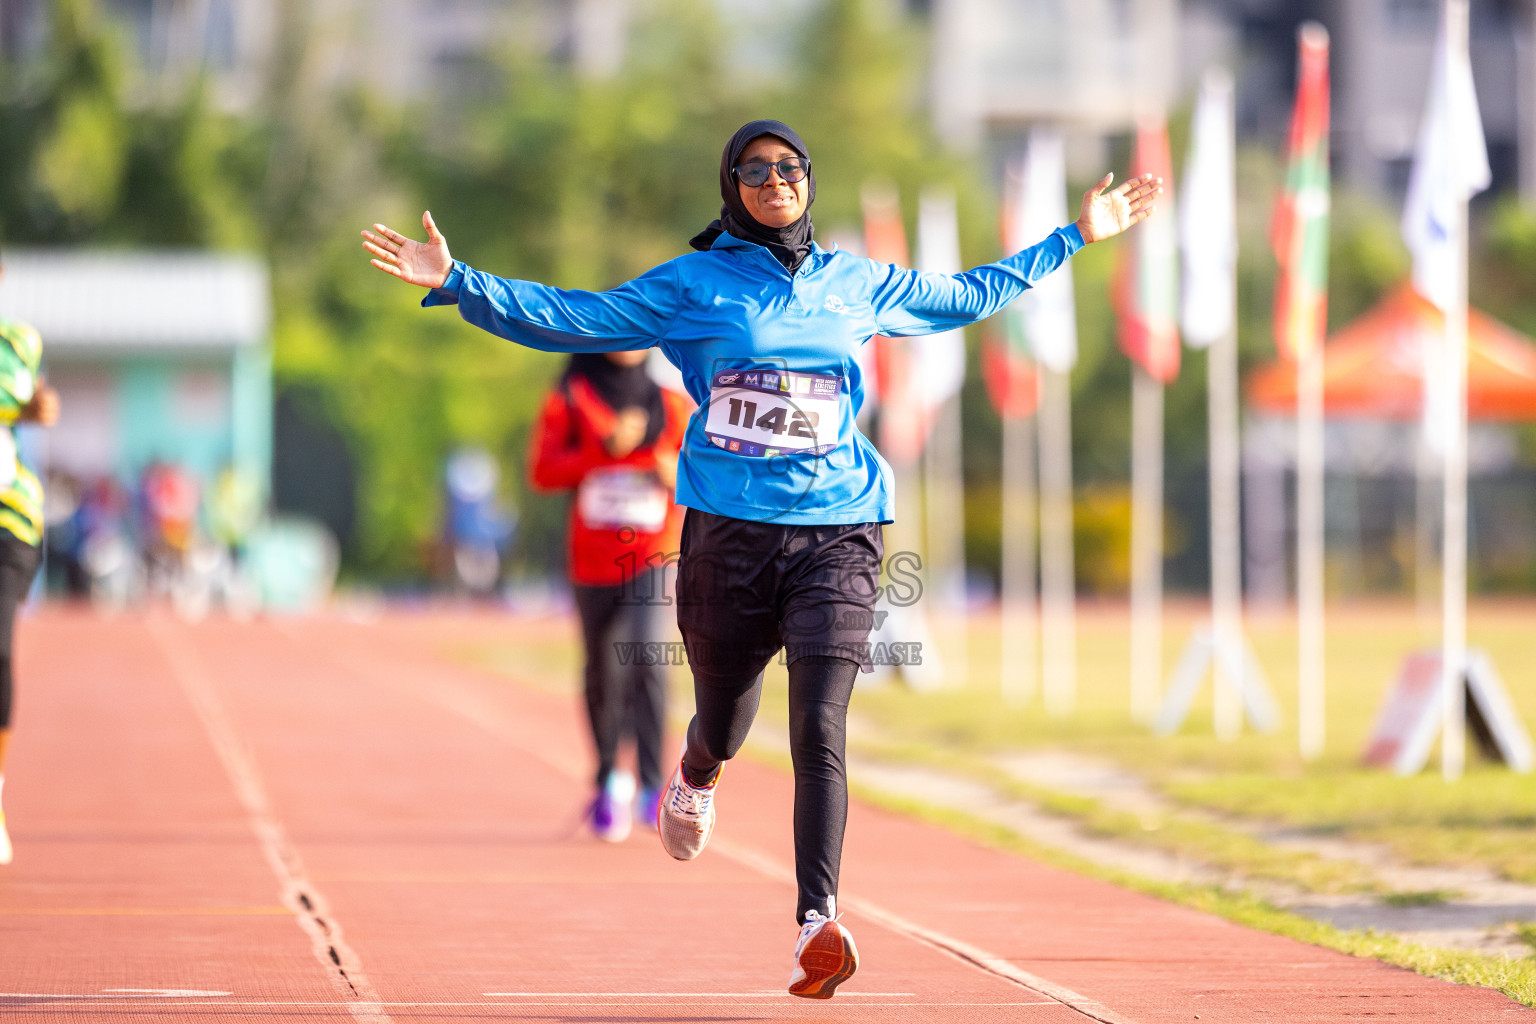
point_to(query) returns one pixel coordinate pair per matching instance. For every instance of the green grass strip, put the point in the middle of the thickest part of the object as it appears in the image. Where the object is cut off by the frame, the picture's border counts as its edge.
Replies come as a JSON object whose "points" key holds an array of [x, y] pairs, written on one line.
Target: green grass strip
{"points": [[1209, 842], [1515, 978]]}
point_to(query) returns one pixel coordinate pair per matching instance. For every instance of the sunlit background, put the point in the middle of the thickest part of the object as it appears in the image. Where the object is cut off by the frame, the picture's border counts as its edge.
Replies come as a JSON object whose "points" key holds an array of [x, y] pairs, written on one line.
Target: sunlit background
{"points": [[184, 180], [256, 421]]}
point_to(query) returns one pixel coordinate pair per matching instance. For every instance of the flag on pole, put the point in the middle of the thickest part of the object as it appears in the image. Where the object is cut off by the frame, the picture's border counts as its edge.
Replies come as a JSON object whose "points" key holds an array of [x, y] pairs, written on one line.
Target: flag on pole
{"points": [[1044, 318], [938, 360], [1012, 382], [885, 241], [1299, 231], [1445, 174], [1041, 324], [1208, 229], [1012, 378], [1147, 295], [1450, 166]]}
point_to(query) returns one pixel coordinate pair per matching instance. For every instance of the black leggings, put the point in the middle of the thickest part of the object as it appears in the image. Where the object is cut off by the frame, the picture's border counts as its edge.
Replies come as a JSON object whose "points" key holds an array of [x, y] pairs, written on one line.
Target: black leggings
{"points": [[18, 564], [624, 693], [819, 690]]}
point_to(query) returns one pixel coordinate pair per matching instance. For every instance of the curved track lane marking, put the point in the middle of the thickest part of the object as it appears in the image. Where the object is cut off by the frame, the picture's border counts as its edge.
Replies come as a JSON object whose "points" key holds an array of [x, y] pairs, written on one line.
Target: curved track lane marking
{"points": [[299, 894], [692, 999], [142, 911], [973, 956], [496, 720]]}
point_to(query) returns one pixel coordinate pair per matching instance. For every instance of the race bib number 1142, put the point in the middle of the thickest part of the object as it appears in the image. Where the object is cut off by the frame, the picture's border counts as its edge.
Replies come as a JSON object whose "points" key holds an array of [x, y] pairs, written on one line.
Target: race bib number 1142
{"points": [[762, 413]]}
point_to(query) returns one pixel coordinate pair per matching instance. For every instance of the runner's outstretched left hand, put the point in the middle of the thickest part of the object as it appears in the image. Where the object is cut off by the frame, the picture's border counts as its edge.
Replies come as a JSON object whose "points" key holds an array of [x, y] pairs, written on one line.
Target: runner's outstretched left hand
{"points": [[1106, 214], [422, 263]]}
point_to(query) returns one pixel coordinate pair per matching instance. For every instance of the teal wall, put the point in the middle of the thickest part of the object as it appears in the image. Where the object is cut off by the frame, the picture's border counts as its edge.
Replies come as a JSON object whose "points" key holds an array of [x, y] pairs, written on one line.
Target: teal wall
{"points": [[156, 419], [251, 414]]}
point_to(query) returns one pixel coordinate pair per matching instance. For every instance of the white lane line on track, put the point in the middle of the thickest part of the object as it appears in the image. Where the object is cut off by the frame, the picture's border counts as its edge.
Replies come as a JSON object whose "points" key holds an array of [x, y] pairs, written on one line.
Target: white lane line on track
{"points": [[685, 995], [299, 894], [120, 994], [55, 1001], [493, 718], [958, 949]]}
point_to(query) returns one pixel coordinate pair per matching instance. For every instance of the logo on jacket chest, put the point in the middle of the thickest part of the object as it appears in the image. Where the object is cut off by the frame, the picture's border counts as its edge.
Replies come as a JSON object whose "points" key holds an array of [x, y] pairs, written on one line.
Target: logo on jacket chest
{"points": [[834, 304]]}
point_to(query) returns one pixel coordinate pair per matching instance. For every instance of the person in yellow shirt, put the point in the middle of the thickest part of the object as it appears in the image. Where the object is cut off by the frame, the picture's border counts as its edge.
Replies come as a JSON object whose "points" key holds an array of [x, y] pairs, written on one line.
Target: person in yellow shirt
{"points": [[24, 398]]}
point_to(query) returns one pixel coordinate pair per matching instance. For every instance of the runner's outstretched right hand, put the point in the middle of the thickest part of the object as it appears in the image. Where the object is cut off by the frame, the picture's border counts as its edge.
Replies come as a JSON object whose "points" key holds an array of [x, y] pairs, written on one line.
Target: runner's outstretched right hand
{"points": [[421, 263]]}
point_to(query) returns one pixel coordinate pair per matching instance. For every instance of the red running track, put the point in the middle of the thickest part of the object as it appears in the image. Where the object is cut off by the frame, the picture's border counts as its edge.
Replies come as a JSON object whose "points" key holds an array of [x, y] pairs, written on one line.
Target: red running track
{"points": [[322, 820]]}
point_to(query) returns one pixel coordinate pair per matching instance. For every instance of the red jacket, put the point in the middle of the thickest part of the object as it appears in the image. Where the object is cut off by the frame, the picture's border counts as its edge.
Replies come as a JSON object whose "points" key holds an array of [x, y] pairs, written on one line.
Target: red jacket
{"points": [[622, 519]]}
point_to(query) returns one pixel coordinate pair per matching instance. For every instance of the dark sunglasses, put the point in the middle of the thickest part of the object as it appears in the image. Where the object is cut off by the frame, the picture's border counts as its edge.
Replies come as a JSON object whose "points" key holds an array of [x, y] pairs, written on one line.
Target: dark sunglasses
{"points": [[754, 173]]}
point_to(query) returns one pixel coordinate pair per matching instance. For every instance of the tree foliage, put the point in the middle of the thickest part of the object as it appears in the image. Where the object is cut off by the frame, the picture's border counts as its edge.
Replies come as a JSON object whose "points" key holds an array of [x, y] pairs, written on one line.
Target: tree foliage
{"points": [[535, 170]]}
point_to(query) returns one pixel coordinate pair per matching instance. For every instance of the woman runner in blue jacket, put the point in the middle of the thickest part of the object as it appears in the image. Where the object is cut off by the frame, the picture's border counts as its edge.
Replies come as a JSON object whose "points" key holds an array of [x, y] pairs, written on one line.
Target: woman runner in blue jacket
{"points": [[781, 544]]}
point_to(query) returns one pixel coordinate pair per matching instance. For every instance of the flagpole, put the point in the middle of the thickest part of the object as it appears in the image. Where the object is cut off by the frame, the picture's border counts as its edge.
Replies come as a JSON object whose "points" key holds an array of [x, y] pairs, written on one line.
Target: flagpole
{"points": [[1301, 240], [1058, 588], [942, 373], [1427, 467], [944, 520], [1453, 740], [1048, 323], [1213, 160], [1311, 714], [1020, 646], [1149, 335], [1146, 543], [1226, 536], [886, 242]]}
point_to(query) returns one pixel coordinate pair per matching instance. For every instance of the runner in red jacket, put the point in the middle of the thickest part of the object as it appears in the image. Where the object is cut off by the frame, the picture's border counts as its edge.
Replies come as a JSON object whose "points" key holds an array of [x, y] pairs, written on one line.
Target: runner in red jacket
{"points": [[611, 434]]}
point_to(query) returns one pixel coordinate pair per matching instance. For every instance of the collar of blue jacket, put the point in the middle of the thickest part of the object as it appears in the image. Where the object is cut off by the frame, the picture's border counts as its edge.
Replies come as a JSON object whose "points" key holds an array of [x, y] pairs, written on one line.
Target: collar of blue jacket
{"points": [[728, 242], [785, 451]]}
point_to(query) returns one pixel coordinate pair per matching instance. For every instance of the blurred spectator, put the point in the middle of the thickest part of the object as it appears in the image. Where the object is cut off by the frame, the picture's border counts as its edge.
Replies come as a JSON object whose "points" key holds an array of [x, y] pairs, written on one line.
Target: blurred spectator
{"points": [[61, 534], [24, 397], [612, 435], [112, 568], [234, 508], [168, 506], [479, 528]]}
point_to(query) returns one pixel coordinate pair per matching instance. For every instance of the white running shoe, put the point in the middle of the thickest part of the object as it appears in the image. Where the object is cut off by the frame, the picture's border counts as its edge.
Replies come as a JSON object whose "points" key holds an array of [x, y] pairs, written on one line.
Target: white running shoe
{"points": [[685, 818], [5, 842], [825, 957]]}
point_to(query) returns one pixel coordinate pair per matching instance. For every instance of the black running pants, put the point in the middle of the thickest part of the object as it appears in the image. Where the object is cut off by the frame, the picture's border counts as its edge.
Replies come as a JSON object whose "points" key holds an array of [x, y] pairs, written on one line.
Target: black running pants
{"points": [[623, 692], [819, 691], [745, 590], [18, 564]]}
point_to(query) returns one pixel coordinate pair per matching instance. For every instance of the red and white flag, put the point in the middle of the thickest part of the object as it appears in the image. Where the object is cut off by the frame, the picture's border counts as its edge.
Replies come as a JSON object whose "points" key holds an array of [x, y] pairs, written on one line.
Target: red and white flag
{"points": [[902, 415], [1299, 232], [1148, 288]]}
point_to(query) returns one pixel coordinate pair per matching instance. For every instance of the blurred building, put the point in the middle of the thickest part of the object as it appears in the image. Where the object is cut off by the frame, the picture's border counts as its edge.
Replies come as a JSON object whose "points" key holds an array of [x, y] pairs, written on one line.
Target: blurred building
{"points": [[1086, 63], [1384, 50], [157, 357], [997, 65], [406, 49], [1089, 65]]}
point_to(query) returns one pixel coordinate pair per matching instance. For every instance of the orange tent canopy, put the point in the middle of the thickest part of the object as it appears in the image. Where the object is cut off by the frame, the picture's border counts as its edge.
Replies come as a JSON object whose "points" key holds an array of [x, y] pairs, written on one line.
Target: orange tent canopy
{"points": [[1374, 367]]}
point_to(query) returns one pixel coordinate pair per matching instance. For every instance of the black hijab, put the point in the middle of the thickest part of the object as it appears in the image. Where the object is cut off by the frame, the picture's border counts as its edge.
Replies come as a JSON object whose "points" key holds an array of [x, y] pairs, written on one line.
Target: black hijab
{"points": [[789, 245], [621, 387]]}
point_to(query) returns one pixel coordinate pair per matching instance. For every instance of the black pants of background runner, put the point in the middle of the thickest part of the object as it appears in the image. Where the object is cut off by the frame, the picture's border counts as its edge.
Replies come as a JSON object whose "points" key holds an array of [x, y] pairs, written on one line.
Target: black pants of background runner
{"points": [[622, 693], [745, 590], [18, 564]]}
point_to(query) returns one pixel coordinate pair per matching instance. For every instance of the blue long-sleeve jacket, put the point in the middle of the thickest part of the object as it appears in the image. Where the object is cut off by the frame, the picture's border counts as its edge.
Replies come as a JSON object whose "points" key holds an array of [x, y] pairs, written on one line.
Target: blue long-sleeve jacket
{"points": [[768, 355]]}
